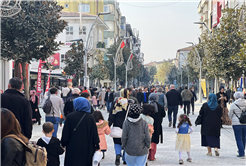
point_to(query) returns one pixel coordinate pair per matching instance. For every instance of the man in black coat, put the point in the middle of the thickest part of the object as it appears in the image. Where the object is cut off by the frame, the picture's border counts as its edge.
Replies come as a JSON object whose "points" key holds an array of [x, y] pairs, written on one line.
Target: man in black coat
{"points": [[68, 108], [193, 100], [109, 98], [15, 101], [174, 99]]}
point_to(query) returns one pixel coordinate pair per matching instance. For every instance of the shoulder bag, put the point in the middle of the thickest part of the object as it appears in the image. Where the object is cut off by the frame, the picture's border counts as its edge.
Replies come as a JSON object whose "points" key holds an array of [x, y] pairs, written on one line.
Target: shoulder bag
{"points": [[242, 118]]}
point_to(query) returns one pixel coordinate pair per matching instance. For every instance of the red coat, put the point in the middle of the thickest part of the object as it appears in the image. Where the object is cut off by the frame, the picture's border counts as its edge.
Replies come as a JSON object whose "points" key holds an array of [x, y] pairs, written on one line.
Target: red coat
{"points": [[103, 128]]}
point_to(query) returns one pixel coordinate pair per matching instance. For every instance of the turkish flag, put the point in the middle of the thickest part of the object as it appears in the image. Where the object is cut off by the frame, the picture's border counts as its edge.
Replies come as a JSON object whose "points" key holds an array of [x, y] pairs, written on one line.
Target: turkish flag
{"points": [[122, 44], [39, 77], [131, 57]]}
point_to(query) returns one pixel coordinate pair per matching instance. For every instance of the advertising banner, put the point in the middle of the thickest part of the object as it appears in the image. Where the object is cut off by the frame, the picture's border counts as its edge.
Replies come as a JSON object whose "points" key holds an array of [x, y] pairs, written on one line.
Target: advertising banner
{"points": [[203, 83], [39, 77], [215, 13], [48, 84], [54, 60]]}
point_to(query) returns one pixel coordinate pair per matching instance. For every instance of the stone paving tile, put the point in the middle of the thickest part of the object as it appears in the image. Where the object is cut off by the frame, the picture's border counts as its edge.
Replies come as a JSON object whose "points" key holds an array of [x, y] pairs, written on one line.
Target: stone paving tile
{"points": [[166, 154]]}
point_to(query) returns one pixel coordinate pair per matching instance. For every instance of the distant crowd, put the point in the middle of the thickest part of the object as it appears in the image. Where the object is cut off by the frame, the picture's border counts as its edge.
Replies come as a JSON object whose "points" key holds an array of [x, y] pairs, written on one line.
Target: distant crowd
{"points": [[135, 117]]}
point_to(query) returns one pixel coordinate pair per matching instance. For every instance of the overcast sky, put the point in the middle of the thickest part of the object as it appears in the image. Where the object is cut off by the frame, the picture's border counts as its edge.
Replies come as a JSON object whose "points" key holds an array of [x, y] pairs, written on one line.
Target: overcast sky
{"points": [[163, 29]]}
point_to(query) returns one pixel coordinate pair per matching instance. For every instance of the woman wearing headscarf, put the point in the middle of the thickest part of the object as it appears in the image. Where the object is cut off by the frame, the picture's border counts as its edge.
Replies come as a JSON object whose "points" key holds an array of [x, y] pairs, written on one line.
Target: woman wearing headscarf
{"points": [[36, 117], [211, 113], [79, 135], [239, 129], [222, 100], [158, 117], [117, 117]]}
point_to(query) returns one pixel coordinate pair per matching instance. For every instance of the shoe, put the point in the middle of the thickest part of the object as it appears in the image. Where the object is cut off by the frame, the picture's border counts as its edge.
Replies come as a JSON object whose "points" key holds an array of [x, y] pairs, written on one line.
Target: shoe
{"points": [[174, 127], [170, 124], [103, 156], [209, 154], [117, 160], [241, 157], [192, 113], [152, 160], [124, 163], [181, 161], [39, 122], [216, 152], [189, 159]]}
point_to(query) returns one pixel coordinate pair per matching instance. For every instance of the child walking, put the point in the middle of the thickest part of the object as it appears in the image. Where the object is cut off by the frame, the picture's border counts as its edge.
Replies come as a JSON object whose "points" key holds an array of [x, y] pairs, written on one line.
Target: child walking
{"points": [[94, 101], [183, 138], [52, 145], [102, 128]]}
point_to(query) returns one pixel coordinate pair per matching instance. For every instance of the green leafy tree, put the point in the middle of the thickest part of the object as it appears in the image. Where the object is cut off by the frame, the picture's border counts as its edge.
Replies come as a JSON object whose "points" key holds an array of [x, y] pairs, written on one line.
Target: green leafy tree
{"points": [[145, 76], [99, 71], [31, 33], [75, 62], [152, 73]]}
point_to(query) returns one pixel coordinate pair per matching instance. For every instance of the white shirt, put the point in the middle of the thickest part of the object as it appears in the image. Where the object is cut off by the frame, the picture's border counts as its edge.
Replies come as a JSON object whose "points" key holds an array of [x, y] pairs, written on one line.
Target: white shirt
{"points": [[65, 91]]}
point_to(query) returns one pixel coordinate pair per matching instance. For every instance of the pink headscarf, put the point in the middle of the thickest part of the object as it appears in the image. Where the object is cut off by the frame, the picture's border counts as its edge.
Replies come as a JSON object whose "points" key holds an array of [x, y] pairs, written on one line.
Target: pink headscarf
{"points": [[33, 94]]}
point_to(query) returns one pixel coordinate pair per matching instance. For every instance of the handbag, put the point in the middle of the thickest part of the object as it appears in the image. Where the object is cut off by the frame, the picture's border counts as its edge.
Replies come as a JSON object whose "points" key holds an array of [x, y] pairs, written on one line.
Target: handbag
{"points": [[198, 120], [97, 157], [116, 132], [242, 118]]}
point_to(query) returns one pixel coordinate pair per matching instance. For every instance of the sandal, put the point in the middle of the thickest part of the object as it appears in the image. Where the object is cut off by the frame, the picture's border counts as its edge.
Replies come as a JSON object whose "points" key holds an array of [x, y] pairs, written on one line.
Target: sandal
{"points": [[189, 159], [181, 161], [209, 154], [217, 152]]}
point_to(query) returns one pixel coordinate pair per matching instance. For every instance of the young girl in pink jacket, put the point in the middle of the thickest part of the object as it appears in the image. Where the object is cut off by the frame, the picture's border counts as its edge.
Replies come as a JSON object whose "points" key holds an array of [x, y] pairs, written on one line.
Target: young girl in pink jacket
{"points": [[102, 128]]}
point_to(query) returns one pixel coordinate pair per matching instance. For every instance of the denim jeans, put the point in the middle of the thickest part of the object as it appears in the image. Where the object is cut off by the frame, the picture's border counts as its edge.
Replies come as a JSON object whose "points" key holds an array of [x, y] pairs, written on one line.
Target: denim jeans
{"points": [[240, 135], [56, 123], [108, 105], [118, 149], [136, 160], [174, 110]]}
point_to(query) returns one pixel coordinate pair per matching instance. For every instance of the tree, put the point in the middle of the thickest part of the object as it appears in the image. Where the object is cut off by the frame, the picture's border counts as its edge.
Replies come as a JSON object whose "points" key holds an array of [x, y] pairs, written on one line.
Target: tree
{"points": [[99, 71], [75, 62], [152, 73], [31, 33], [121, 70], [145, 76], [163, 71]]}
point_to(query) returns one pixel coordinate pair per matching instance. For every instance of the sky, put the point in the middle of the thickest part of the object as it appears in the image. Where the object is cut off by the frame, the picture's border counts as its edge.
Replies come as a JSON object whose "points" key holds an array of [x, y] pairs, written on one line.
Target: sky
{"points": [[164, 26]]}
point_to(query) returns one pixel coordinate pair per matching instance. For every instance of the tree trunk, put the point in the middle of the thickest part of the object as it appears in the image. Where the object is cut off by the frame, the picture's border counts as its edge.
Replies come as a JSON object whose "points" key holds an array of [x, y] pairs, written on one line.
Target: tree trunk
{"points": [[17, 70], [26, 87]]}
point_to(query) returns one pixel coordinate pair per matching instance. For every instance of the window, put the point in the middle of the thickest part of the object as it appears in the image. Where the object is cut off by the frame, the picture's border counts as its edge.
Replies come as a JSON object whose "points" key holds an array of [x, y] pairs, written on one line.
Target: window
{"points": [[69, 33], [108, 8], [85, 8], [106, 43], [66, 5], [82, 31], [63, 57]]}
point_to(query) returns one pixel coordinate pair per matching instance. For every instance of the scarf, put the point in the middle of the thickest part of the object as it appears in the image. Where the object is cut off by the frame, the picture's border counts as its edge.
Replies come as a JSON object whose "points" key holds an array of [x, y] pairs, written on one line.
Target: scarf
{"points": [[124, 93], [153, 99], [120, 105], [33, 94], [82, 104], [212, 103]]}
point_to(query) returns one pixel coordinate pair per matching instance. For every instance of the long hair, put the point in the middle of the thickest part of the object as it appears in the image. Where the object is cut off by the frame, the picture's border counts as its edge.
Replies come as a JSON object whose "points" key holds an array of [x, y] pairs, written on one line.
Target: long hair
{"points": [[184, 118], [97, 116], [148, 110], [10, 125]]}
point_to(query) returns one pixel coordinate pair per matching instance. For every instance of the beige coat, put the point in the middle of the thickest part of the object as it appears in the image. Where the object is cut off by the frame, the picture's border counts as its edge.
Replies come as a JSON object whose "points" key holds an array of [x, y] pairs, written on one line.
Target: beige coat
{"points": [[102, 94]]}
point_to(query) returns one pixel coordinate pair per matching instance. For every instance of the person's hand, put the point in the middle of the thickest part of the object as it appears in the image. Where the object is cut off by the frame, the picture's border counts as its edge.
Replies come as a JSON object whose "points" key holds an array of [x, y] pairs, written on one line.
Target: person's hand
{"points": [[181, 106], [36, 110], [64, 118]]}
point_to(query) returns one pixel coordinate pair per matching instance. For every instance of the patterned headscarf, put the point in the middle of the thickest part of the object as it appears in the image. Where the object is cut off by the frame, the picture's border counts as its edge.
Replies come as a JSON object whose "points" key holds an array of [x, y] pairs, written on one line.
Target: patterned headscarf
{"points": [[124, 93], [33, 94], [153, 99]]}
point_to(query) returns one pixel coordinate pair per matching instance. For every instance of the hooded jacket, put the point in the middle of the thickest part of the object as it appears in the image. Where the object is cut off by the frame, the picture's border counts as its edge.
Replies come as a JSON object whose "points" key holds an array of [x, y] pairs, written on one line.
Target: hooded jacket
{"points": [[235, 110], [103, 128]]}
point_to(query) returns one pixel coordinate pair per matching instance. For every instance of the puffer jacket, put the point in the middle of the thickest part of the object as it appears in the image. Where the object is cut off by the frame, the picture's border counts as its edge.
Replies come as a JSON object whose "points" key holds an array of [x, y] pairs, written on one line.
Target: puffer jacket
{"points": [[103, 128], [242, 104], [186, 95], [12, 152]]}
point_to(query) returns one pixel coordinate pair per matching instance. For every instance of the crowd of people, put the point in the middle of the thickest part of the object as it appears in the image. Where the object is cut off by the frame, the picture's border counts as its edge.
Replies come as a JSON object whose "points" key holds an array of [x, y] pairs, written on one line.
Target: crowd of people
{"points": [[135, 117]]}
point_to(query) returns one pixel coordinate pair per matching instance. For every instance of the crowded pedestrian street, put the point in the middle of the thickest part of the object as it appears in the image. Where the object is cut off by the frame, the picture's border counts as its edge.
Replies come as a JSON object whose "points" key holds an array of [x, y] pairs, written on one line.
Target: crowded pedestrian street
{"points": [[166, 154]]}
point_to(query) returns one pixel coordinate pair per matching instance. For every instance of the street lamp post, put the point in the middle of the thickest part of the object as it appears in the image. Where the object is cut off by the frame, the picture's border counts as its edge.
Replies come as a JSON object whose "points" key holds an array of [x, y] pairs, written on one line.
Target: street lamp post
{"points": [[216, 79], [200, 75], [128, 67], [86, 78]]}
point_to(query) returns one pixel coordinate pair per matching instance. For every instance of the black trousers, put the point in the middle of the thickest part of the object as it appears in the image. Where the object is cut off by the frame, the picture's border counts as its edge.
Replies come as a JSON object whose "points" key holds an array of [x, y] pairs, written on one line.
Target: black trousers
{"points": [[187, 105], [193, 105]]}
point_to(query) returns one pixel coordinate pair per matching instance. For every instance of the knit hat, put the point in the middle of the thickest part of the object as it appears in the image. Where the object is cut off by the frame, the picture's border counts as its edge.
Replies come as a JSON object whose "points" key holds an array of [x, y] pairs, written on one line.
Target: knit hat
{"points": [[134, 111]]}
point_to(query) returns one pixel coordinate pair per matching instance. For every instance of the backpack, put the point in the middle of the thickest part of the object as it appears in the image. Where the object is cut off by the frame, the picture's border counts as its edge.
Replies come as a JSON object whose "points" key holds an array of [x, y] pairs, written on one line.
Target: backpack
{"points": [[47, 106], [242, 118], [34, 155]]}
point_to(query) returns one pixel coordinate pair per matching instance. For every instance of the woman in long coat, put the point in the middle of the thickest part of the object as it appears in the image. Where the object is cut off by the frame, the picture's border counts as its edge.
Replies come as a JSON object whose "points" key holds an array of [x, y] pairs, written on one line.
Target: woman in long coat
{"points": [[117, 117], [211, 114], [36, 117], [81, 143], [222, 100], [158, 117], [102, 96]]}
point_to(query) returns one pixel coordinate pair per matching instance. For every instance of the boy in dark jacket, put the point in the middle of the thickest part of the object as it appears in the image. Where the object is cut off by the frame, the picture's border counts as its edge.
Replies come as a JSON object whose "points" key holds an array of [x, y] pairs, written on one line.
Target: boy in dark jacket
{"points": [[52, 145]]}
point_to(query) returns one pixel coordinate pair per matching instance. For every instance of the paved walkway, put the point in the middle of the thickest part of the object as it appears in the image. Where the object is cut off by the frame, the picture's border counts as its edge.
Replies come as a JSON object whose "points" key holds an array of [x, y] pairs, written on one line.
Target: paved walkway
{"points": [[166, 154]]}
